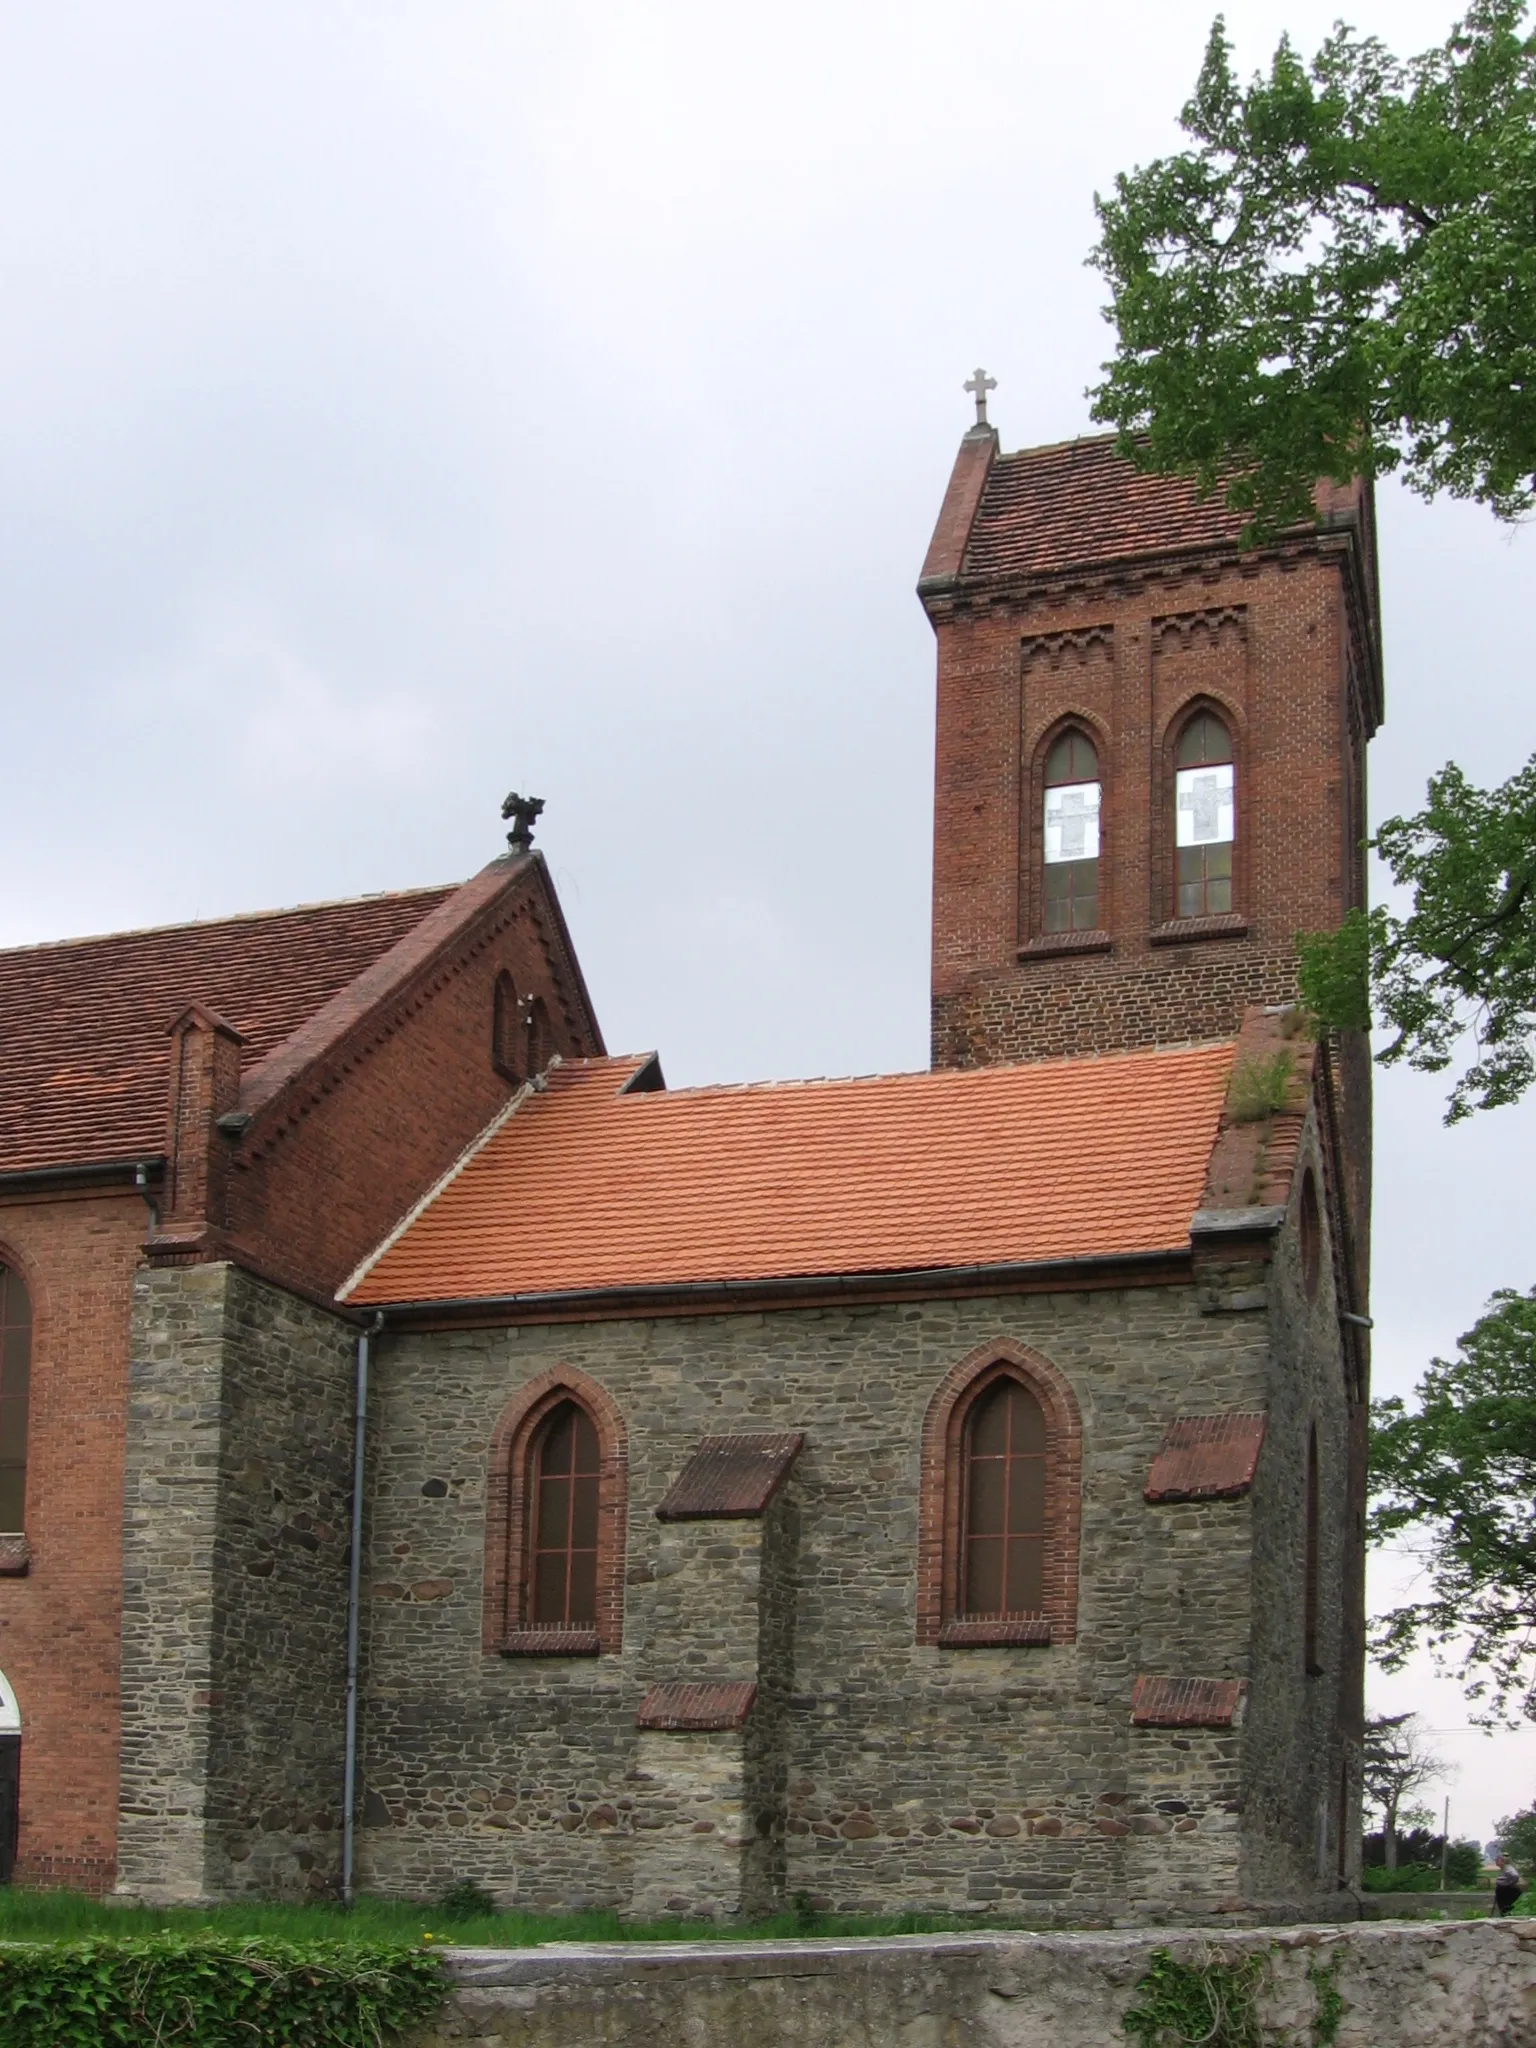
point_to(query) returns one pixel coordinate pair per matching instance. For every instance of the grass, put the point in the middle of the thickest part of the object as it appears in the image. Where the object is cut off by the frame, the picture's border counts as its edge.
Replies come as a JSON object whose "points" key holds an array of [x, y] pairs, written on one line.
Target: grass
{"points": [[68, 1916]]}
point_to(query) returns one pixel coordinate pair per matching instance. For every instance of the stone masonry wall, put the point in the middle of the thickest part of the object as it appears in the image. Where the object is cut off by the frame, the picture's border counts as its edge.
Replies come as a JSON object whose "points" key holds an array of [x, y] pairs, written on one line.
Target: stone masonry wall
{"points": [[1462, 1986], [235, 1563], [982, 1779]]}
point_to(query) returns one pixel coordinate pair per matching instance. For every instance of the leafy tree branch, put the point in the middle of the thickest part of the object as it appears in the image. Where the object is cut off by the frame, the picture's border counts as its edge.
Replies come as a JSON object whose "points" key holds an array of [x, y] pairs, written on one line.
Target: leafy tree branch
{"points": [[1339, 278]]}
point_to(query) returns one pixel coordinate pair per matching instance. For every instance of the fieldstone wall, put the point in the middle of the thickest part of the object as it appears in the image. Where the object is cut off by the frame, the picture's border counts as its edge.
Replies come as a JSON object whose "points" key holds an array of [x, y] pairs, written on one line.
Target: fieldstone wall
{"points": [[235, 1574], [977, 1779], [1467, 1986]]}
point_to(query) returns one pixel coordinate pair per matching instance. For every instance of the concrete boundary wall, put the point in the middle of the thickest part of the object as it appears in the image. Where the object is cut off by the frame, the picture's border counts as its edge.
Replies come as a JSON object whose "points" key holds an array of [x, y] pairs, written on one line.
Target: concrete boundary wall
{"points": [[1461, 1985]]}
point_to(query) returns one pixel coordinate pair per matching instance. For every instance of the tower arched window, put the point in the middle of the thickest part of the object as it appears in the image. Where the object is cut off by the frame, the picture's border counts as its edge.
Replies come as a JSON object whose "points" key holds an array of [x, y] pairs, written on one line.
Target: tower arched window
{"points": [[563, 1522], [1002, 1562], [15, 1397], [1071, 830], [1204, 817], [538, 1045]]}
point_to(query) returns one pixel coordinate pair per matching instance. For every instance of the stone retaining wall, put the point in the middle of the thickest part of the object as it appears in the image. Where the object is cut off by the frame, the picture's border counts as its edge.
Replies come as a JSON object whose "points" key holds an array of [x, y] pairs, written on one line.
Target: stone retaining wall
{"points": [[1467, 1985]]}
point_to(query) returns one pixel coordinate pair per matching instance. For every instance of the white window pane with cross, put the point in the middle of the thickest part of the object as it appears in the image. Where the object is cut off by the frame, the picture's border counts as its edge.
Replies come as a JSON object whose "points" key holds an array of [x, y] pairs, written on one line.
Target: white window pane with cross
{"points": [[1072, 822], [1206, 810]]}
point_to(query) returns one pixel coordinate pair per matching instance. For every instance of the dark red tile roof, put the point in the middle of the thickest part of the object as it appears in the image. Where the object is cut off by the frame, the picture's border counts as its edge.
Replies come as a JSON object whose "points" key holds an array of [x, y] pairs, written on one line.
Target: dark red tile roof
{"points": [[699, 1705], [1206, 1457], [730, 1477], [1186, 1702], [1077, 502], [83, 1047]]}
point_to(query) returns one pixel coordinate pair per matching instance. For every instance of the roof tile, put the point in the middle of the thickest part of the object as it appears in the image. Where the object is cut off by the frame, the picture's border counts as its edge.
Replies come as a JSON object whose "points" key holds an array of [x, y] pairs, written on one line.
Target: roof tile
{"points": [[586, 1187], [83, 1050], [697, 1705], [730, 1478], [1206, 1457], [1158, 1702]]}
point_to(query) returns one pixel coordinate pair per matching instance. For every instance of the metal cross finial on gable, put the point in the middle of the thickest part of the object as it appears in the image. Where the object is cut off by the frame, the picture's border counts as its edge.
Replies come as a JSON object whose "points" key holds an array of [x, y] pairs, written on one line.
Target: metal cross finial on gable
{"points": [[980, 384]]}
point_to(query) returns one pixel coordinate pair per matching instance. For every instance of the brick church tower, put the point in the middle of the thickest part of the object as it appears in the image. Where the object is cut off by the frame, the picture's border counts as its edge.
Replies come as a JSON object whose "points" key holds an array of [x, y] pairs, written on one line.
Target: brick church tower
{"points": [[1150, 758]]}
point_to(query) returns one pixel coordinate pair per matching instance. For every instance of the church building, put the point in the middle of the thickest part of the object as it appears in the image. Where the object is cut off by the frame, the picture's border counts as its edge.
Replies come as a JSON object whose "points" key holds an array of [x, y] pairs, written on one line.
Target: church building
{"points": [[433, 1448]]}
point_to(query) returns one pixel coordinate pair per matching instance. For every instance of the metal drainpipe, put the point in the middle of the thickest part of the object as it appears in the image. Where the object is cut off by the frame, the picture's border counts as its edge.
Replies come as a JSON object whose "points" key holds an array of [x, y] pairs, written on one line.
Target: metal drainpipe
{"points": [[354, 1602]]}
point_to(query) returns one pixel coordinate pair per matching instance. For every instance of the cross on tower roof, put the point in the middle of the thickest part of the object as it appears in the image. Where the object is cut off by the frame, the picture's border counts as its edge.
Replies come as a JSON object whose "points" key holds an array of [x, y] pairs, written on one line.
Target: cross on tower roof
{"points": [[981, 384]]}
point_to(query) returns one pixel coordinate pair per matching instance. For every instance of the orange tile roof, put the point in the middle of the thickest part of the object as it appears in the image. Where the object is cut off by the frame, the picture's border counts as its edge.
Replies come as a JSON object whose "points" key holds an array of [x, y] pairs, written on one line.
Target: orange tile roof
{"points": [[83, 1047], [587, 1187]]}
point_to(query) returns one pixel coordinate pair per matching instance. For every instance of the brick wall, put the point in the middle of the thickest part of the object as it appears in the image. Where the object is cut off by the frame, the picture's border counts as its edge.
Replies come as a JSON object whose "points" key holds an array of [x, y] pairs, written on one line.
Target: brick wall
{"points": [[59, 1625], [999, 1779], [1271, 645]]}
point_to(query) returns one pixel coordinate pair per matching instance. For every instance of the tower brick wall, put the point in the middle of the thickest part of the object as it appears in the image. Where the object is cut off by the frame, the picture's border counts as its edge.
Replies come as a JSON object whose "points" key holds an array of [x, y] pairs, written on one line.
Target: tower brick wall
{"points": [[1047, 614]]}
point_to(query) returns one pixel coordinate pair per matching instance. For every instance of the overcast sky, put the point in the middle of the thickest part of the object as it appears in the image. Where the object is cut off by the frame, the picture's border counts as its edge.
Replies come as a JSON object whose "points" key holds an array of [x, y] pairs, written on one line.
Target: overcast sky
{"points": [[400, 402]]}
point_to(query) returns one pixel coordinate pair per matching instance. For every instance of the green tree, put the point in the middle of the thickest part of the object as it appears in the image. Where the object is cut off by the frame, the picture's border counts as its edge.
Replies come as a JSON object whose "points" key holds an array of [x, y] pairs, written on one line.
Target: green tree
{"points": [[1461, 1469], [1464, 959], [1339, 278], [1516, 1835]]}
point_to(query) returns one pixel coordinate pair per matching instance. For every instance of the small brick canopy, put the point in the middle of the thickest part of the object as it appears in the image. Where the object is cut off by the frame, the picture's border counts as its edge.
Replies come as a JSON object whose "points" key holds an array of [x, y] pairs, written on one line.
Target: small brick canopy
{"points": [[1206, 1457], [700, 1706], [1158, 1702], [939, 1620], [731, 1477], [504, 1614]]}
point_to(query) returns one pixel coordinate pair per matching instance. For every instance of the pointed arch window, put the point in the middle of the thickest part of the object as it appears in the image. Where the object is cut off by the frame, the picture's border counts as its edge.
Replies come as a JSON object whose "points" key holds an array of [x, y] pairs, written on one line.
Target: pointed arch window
{"points": [[555, 1522], [15, 1397], [563, 1524], [1002, 1565], [1071, 831], [538, 1040], [1204, 817]]}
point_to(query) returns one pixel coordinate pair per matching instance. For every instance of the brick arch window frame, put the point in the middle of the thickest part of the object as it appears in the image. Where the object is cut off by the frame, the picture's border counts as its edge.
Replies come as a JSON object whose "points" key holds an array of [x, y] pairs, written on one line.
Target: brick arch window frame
{"points": [[1032, 833], [941, 1492], [506, 1626], [1164, 852], [18, 1364]]}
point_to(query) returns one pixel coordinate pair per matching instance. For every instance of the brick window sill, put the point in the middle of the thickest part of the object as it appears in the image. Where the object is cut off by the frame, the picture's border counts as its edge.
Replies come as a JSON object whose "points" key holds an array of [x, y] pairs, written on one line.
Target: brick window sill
{"points": [[552, 1642], [15, 1555], [1179, 931], [1050, 945], [1034, 1634]]}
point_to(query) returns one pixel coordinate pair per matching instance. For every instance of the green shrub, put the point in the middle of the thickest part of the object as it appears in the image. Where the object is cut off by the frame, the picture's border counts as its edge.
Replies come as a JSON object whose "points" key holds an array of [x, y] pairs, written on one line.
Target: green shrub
{"points": [[211, 1993], [1259, 1087], [466, 1900]]}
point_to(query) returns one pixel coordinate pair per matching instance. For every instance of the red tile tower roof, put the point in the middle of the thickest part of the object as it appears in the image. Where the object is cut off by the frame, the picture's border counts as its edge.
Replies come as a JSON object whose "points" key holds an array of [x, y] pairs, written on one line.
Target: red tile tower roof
{"points": [[83, 1047], [595, 1185]]}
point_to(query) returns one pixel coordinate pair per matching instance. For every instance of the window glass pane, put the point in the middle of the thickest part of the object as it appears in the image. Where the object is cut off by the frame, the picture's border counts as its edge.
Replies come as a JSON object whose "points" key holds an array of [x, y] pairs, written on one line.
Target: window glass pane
{"points": [[1072, 759], [15, 1305], [553, 1527], [586, 1442], [1204, 806], [1204, 739], [555, 1451], [16, 1362], [984, 1578], [583, 1605], [584, 1515], [989, 1424], [988, 1480], [1085, 896], [1028, 1430], [1026, 1497], [1072, 822], [1026, 1575], [549, 1587], [13, 1487]]}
